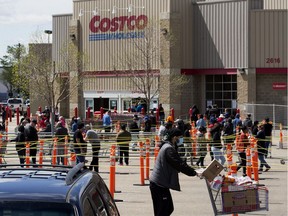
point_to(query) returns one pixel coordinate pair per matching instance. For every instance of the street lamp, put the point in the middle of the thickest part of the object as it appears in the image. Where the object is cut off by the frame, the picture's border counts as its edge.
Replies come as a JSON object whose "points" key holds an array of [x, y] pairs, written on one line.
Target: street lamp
{"points": [[49, 32]]}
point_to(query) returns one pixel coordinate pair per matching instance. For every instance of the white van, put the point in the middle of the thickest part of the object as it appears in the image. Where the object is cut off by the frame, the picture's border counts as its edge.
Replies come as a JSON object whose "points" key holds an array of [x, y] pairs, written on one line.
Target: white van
{"points": [[14, 103]]}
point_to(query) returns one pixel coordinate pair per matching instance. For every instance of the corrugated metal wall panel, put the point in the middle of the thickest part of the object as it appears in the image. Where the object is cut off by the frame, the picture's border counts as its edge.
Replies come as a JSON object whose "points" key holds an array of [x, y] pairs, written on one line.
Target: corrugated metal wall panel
{"points": [[184, 7], [268, 36], [111, 84], [275, 4], [105, 54], [61, 27], [220, 37]]}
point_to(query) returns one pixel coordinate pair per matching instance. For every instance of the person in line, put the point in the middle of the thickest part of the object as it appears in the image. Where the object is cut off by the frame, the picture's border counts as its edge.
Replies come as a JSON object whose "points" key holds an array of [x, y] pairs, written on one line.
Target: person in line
{"points": [[255, 128], [123, 139], [80, 146], [262, 148], [133, 127], [60, 134], [216, 142], [241, 148], [107, 121], [93, 138], [31, 136], [268, 135], [165, 174], [201, 146], [200, 122], [20, 144], [161, 113]]}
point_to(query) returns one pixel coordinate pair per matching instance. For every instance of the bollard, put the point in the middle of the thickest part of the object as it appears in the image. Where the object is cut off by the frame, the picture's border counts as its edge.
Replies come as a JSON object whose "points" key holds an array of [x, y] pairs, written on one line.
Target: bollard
{"points": [[76, 112], [172, 113], [142, 111], [17, 115], [190, 114], [66, 151], [112, 170], [7, 112], [254, 155], [10, 115], [73, 159], [157, 118], [27, 159], [28, 112], [54, 152], [234, 170], [248, 162], [280, 146], [41, 143], [101, 112], [147, 158], [88, 113], [141, 163], [156, 149], [229, 158]]}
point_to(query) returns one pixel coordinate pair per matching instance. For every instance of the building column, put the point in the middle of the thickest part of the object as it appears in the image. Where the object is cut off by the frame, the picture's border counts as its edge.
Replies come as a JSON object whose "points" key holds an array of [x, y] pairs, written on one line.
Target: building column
{"points": [[246, 88], [170, 61], [76, 98]]}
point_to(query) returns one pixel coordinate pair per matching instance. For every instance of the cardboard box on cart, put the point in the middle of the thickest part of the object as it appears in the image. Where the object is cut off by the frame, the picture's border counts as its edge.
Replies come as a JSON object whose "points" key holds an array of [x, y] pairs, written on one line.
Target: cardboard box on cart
{"points": [[240, 201], [212, 170]]}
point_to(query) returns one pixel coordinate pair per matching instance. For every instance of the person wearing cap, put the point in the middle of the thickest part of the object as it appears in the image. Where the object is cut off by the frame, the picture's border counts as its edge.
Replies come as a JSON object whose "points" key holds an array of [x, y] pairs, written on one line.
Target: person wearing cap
{"points": [[248, 122], [165, 174], [123, 139], [93, 138], [79, 145], [236, 122], [31, 136]]}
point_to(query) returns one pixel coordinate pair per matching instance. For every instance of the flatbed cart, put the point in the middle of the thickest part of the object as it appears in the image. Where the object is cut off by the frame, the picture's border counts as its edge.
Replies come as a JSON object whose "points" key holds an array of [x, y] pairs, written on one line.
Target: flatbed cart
{"points": [[235, 199]]}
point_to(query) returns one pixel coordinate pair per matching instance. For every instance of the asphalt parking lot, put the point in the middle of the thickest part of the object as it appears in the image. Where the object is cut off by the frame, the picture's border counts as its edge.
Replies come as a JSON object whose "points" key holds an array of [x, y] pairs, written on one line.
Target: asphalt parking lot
{"points": [[133, 198]]}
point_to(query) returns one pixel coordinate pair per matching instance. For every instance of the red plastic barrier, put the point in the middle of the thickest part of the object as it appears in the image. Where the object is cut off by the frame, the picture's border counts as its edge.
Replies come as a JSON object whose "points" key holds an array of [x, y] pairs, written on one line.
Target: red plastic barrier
{"points": [[112, 170]]}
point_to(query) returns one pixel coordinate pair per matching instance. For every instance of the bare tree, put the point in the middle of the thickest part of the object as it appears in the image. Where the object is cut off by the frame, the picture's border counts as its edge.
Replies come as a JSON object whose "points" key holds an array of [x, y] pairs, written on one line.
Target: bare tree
{"points": [[141, 63]]}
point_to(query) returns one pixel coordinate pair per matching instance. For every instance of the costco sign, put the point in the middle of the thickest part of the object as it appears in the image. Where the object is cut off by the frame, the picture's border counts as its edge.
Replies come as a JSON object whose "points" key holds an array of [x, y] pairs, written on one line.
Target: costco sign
{"points": [[112, 29]]}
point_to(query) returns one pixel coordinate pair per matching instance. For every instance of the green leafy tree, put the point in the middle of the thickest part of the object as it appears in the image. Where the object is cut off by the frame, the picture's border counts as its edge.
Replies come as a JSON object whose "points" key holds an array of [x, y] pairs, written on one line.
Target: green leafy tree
{"points": [[12, 76]]}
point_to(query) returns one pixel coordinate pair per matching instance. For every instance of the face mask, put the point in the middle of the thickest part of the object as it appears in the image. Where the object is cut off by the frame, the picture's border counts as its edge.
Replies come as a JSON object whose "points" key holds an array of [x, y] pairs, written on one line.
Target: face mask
{"points": [[179, 141]]}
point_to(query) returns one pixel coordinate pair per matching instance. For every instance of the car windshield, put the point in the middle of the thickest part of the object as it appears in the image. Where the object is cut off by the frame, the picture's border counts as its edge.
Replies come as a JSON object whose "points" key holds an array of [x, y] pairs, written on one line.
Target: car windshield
{"points": [[14, 101], [19, 208]]}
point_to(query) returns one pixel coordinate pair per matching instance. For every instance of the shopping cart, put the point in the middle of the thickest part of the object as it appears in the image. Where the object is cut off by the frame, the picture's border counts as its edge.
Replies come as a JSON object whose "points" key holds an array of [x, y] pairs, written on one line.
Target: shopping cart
{"points": [[237, 199]]}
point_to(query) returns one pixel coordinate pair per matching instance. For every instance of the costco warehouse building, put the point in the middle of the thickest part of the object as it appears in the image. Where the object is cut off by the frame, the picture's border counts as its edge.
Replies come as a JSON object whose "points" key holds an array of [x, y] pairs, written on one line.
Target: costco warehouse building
{"points": [[234, 53]]}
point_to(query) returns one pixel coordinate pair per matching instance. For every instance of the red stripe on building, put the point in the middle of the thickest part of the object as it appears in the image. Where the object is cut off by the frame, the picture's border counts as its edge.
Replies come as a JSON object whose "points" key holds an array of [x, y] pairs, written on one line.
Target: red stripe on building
{"points": [[271, 70], [210, 71], [120, 73]]}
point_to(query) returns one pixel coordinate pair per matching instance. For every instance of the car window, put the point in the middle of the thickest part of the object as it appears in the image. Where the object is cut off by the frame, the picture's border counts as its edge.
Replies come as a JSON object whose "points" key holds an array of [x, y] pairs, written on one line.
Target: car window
{"points": [[88, 209], [33, 208], [14, 101], [105, 194], [97, 199]]}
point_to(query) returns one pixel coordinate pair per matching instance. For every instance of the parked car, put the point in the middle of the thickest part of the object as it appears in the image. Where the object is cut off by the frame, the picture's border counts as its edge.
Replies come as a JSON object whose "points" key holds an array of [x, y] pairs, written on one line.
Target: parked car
{"points": [[15, 103], [54, 191]]}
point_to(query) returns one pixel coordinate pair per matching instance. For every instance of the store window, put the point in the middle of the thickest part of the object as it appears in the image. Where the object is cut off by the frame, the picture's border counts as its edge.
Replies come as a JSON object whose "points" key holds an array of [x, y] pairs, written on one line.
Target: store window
{"points": [[222, 90]]}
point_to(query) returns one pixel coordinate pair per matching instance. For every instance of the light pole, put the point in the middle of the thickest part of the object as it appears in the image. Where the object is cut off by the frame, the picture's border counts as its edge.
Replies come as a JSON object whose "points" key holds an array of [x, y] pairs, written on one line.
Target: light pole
{"points": [[49, 32]]}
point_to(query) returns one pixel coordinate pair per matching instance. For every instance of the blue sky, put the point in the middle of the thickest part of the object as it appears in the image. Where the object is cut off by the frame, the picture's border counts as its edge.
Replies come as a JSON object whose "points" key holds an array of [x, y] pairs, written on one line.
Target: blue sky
{"points": [[22, 20]]}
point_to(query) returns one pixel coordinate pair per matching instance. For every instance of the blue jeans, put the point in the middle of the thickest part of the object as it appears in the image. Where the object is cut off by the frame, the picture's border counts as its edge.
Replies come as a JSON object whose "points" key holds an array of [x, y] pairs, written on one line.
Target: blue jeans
{"points": [[218, 154], [262, 160]]}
